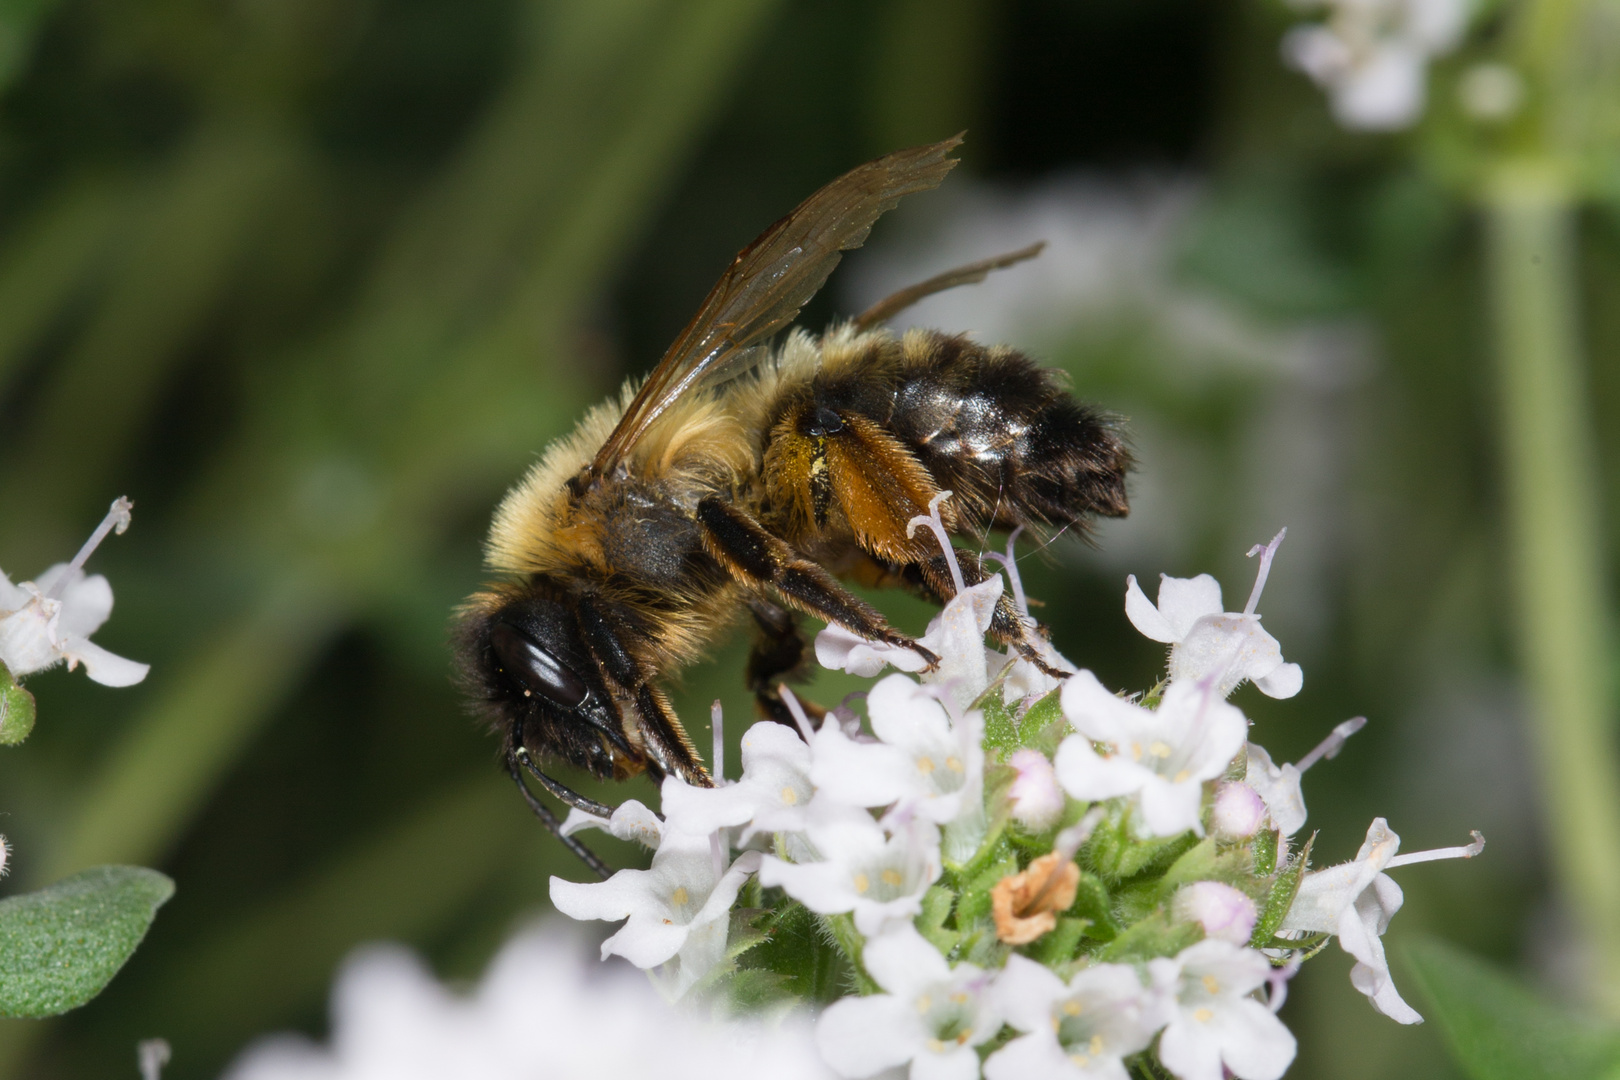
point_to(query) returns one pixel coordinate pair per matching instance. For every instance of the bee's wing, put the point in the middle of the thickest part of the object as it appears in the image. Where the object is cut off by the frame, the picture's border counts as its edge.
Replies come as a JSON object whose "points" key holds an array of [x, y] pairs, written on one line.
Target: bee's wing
{"points": [[770, 280]]}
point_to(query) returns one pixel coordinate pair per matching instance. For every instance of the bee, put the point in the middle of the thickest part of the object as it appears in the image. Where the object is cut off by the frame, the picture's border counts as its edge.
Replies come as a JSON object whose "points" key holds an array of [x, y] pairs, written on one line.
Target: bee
{"points": [[740, 483]]}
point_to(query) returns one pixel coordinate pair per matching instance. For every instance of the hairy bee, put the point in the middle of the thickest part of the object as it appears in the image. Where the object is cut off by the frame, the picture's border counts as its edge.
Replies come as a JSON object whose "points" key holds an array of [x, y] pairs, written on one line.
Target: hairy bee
{"points": [[737, 481]]}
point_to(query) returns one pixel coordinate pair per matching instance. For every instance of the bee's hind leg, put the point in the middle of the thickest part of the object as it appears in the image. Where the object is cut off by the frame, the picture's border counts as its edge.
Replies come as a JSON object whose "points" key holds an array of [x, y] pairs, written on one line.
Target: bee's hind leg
{"points": [[763, 561]]}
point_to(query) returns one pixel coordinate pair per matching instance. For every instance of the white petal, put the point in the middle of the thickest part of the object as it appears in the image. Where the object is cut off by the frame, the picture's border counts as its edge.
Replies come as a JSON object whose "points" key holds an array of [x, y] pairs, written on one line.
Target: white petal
{"points": [[902, 962], [1095, 712], [1183, 601], [1169, 809], [1088, 777], [1145, 616], [1279, 787], [1036, 1056], [1254, 1043], [12, 596], [859, 1036], [1026, 991], [86, 604], [840, 650], [102, 666], [1285, 682], [859, 774], [954, 1063]]}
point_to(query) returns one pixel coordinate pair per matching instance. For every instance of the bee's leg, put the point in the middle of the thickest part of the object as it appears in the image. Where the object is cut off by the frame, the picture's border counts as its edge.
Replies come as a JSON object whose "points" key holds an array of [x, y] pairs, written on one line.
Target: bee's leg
{"points": [[932, 578], [971, 274], [665, 740], [516, 754], [755, 557], [779, 652]]}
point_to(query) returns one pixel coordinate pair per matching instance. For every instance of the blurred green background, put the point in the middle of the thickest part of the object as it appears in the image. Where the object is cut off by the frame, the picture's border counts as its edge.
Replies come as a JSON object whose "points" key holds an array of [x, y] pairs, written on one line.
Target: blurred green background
{"points": [[313, 281]]}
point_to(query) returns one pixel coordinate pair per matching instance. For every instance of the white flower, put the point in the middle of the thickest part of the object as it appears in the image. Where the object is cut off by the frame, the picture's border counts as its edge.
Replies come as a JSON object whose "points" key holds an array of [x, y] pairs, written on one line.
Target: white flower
{"points": [[1356, 901], [922, 758], [1036, 798], [1372, 55], [771, 797], [50, 619], [1160, 757], [1279, 785], [680, 907], [630, 821], [878, 877], [1206, 640], [1223, 912], [1215, 1021], [932, 1016], [1081, 1029], [543, 1009]]}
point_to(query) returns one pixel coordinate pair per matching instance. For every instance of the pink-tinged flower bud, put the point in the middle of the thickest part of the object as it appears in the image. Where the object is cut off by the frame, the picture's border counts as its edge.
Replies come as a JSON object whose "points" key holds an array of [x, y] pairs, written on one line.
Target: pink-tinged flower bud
{"points": [[1224, 912], [1037, 800], [1239, 811]]}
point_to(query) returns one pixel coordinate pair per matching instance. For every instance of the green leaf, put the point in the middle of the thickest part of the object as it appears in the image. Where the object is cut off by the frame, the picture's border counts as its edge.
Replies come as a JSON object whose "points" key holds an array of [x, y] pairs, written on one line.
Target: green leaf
{"points": [[1092, 903], [1000, 729], [61, 945], [1265, 852], [1281, 897], [1059, 946], [1498, 1029], [937, 903], [797, 949], [1153, 936], [16, 710]]}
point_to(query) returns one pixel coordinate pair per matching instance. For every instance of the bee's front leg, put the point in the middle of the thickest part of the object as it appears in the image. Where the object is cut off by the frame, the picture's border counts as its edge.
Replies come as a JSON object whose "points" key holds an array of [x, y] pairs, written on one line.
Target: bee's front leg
{"points": [[759, 559]]}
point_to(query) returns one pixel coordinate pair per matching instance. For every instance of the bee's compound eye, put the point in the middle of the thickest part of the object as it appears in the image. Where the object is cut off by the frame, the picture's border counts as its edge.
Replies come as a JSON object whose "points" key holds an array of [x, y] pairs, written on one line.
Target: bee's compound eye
{"points": [[534, 667]]}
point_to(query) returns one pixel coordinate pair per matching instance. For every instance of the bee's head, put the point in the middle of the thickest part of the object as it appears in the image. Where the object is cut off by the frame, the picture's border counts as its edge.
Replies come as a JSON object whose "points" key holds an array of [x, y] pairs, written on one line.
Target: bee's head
{"points": [[522, 658]]}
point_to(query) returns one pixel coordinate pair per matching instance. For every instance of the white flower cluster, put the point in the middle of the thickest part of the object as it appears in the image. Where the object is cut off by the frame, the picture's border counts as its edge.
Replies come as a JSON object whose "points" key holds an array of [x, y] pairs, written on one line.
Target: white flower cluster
{"points": [[880, 833], [1372, 56], [540, 1011]]}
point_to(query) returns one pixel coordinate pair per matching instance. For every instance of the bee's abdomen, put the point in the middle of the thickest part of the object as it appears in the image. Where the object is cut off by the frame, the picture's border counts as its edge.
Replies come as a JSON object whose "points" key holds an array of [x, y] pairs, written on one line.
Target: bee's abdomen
{"points": [[1004, 435]]}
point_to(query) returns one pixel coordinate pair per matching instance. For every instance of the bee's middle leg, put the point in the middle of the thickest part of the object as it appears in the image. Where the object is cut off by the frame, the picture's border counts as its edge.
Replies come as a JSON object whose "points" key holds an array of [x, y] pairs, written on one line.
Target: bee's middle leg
{"points": [[759, 559], [779, 652]]}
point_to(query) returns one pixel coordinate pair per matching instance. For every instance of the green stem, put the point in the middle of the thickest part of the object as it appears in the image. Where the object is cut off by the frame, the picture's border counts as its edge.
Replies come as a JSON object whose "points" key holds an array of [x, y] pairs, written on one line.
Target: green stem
{"points": [[1553, 531]]}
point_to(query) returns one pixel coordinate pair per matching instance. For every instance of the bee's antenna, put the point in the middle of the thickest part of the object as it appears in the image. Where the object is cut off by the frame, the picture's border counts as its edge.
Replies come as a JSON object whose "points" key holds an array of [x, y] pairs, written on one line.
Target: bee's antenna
{"points": [[972, 273]]}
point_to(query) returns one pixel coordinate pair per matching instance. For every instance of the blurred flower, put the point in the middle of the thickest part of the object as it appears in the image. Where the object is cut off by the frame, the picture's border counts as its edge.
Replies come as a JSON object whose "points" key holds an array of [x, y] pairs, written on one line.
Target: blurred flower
{"points": [[680, 907], [1161, 757], [931, 1016], [1224, 912], [1356, 901], [1037, 800], [1083, 1028], [50, 619], [922, 760], [543, 1009], [1238, 812], [878, 877], [1215, 1024], [1205, 640], [1490, 92], [1372, 56]]}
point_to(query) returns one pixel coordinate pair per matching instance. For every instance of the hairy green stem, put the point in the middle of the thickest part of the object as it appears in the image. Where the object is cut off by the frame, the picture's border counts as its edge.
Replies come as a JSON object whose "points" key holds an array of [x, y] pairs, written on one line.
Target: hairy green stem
{"points": [[1552, 500]]}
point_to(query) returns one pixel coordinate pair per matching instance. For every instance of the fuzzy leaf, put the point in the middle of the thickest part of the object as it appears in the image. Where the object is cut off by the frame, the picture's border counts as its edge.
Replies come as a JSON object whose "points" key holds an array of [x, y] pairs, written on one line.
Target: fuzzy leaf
{"points": [[61, 945], [1265, 852], [937, 903], [1000, 729], [1044, 725], [1092, 903], [1152, 936], [1498, 1029], [1059, 946], [1281, 897], [798, 949], [16, 710], [974, 904]]}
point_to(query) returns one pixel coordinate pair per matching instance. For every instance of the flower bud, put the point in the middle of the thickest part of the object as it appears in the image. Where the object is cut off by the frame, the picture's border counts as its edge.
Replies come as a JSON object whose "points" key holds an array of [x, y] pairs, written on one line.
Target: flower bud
{"points": [[1037, 800], [1224, 912], [1239, 811]]}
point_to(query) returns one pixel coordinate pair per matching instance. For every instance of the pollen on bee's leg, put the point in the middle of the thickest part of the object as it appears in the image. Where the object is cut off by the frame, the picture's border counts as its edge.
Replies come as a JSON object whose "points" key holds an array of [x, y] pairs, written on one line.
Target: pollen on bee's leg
{"points": [[934, 522]]}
